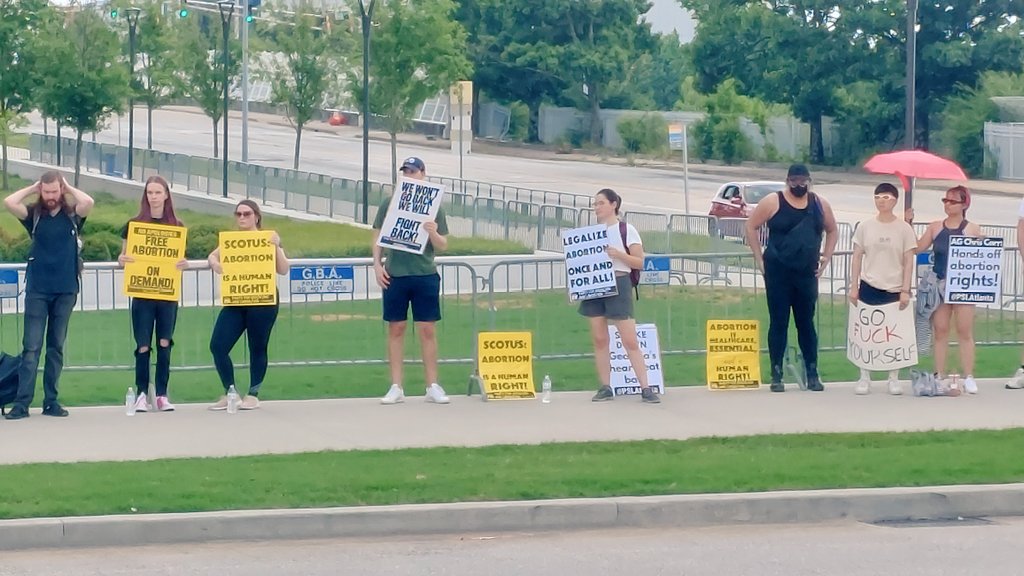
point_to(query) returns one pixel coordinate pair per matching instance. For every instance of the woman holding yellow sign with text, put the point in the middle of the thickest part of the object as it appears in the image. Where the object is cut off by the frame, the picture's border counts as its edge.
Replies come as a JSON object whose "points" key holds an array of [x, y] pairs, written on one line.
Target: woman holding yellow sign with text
{"points": [[151, 315], [250, 301]]}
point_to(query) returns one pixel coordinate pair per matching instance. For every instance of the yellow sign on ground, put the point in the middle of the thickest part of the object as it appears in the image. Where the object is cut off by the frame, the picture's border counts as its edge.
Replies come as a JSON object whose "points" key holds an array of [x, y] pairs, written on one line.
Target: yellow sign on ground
{"points": [[156, 250], [249, 263], [733, 349], [505, 361]]}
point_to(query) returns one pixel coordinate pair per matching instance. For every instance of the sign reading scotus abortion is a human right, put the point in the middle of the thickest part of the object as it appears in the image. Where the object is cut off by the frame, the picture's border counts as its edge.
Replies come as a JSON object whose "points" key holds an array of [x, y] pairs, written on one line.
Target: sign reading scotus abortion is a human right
{"points": [[881, 337], [588, 268]]}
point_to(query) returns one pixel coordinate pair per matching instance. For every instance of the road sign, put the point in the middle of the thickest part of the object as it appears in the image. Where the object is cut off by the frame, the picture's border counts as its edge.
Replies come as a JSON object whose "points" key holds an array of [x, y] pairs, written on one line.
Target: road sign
{"points": [[656, 270], [322, 279], [675, 136], [8, 283]]}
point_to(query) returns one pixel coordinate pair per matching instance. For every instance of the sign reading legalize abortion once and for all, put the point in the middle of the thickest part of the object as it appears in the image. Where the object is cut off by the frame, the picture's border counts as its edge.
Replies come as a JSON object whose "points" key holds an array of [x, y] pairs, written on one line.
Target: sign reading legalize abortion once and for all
{"points": [[624, 381], [249, 263], [588, 268], [156, 250], [973, 270], [881, 337], [414, 203], [505, 361], [732, 359]]}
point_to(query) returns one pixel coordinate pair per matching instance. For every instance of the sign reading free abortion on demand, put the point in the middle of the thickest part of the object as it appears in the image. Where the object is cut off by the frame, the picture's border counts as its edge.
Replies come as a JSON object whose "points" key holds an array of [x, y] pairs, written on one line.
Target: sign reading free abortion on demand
{"points": [[414, 203], [974, 269], [588, 268]]}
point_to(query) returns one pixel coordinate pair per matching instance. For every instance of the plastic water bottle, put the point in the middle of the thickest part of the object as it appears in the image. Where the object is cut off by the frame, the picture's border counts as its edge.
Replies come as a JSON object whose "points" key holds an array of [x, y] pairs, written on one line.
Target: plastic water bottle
{"points": [[129, 402], [233, 400], [545, 388]]}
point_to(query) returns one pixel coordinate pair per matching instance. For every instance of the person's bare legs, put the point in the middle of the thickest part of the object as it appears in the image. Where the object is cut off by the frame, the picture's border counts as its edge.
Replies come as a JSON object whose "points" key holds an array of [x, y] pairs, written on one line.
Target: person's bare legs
{"points": [[627, 335], [940, 336], [965, 337], [396, 351], [602, 357], [427, 333]]}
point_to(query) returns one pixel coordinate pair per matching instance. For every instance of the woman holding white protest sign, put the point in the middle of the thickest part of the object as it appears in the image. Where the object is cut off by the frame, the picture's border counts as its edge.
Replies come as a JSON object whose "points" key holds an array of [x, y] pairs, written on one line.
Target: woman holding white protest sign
{"points": [[256, 320], [882, 267], [626, 251], [955, 204], [151, 315]]}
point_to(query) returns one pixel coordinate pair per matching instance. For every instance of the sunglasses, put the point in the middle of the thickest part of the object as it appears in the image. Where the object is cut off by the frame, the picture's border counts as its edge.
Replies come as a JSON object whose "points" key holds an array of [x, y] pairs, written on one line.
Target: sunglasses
{"points": [[884, 197], [951, 201], [244, 214]]}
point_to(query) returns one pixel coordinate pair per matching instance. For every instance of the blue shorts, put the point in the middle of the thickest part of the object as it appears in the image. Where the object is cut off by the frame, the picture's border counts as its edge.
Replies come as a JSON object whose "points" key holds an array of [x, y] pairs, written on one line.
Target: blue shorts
{"points": [[422, 292]]}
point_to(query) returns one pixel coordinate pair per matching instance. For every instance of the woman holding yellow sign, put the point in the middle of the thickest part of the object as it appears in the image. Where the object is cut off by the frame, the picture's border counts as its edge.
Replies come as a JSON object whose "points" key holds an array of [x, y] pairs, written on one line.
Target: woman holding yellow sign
{"points": [[250, 299], [159, 312]]}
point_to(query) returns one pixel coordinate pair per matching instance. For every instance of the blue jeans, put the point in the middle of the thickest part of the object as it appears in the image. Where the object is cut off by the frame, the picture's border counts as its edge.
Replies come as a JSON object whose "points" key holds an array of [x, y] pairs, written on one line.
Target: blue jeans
{"points": [[47, 314]]}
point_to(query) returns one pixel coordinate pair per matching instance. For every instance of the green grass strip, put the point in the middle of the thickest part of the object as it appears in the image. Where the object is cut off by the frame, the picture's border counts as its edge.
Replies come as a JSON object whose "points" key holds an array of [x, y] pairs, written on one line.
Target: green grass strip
{"points": [[577, 470]]}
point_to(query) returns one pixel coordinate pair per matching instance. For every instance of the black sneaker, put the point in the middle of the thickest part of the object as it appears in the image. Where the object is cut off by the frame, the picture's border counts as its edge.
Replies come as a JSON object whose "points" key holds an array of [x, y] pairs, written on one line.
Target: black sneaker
{"points": [[54, 410], [603, 394], [17, 413], [649, 395], [777, 385], [814, 384]]}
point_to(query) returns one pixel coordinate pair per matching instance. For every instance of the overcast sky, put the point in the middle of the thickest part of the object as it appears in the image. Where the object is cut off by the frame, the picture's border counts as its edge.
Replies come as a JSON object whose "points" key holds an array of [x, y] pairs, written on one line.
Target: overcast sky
{"points": [[668, 15]]}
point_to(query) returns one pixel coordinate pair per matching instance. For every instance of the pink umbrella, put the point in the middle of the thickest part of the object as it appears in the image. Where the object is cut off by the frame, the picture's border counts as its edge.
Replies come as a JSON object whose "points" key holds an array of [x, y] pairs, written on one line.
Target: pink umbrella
{"points": [[910, 164]]}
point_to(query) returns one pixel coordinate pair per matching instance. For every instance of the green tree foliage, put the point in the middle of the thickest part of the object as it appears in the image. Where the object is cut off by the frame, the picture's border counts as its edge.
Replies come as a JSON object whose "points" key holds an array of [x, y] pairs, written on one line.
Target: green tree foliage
{"points": [[964, 116], [85, 79], [417, 51], [646, 134], [21, 22], [156, 66], [718, 136]]}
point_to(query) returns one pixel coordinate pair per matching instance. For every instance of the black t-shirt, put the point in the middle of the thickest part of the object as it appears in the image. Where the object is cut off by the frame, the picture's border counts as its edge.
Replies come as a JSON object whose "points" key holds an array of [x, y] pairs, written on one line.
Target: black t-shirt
{"points": [[160, 220], [53, 258]]}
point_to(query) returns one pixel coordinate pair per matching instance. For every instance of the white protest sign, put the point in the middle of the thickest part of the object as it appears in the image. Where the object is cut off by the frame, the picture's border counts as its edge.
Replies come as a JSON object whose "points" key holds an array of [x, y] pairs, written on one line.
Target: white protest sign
{"points": [[414, 203], [624, 380], [881, 337], [587, 266], [973, 270]]}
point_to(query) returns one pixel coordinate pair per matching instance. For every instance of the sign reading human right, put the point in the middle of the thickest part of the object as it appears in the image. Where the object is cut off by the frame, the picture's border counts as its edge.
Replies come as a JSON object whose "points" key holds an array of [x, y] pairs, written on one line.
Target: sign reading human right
{"points": [[974, 269]]}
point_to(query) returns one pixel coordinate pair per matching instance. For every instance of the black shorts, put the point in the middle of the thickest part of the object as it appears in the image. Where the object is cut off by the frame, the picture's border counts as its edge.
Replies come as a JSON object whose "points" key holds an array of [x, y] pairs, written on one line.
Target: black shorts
{"points": [[422, 292], [874, 297], [618, 307]]}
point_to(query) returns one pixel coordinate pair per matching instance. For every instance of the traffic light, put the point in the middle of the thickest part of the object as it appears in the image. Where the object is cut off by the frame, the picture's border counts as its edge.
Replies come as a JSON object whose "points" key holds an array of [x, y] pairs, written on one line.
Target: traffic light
{"points": [[249, 17], [113, 13], [183, 9]]}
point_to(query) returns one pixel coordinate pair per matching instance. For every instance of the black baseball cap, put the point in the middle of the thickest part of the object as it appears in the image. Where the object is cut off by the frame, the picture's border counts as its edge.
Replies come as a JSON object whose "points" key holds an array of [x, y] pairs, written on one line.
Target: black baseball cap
{"points": [[798, 170], [414, 163]]}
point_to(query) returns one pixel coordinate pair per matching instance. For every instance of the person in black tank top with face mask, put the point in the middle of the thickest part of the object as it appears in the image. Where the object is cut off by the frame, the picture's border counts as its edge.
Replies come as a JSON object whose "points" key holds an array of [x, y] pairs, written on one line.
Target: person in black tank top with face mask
{"points": [[791, 263], [955, 204]]}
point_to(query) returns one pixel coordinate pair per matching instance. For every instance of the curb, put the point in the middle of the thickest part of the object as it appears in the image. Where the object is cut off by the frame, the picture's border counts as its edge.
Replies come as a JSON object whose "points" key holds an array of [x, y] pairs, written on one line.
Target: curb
{"points": [[681, 511]]}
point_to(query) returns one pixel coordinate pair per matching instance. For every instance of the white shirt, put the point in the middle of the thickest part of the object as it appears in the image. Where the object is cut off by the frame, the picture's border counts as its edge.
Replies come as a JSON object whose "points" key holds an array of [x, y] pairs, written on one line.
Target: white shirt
{"points": [[615, 241]]}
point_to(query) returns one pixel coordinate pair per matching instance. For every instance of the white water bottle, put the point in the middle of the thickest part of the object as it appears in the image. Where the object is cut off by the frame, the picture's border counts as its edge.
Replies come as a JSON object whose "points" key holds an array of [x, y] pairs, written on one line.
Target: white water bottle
{"points": [[545, 389], [129, 402], [233, 400]]}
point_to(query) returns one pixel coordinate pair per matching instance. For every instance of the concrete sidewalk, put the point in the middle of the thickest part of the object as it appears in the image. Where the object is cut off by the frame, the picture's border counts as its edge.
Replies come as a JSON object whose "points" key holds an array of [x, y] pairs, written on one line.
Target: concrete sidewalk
{"points": [[106, 433]]}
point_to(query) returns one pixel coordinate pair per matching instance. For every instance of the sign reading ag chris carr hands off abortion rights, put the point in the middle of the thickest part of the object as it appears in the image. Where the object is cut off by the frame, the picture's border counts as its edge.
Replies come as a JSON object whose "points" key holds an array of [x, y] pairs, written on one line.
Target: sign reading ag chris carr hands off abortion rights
{"points": [[881, 337], [414, 203], [588, 268], [974, 269]]}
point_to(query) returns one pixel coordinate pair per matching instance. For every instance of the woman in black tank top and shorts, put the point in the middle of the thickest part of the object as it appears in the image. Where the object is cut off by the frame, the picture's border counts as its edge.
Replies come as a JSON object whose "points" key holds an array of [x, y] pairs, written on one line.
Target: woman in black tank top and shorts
{"points": [[955, 204]]}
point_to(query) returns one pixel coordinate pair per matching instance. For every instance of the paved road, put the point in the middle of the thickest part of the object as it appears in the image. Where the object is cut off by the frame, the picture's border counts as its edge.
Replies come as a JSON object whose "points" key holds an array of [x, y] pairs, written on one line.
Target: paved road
{"points": [[846, 549], [651, 189]]}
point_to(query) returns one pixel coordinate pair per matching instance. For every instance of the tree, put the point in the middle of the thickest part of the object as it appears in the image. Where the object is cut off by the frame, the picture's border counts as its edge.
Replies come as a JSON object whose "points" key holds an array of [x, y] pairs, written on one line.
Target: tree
{"points": [[20, 26], [199, 60], [301, 82], [964, 116], [156, 61], [418, 51], [85, 80], [659, 73]]}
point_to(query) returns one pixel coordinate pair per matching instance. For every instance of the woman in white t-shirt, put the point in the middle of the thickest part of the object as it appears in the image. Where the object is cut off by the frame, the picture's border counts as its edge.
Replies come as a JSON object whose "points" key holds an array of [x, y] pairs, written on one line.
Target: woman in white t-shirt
{"points": [[626, 256], [883, 266]]}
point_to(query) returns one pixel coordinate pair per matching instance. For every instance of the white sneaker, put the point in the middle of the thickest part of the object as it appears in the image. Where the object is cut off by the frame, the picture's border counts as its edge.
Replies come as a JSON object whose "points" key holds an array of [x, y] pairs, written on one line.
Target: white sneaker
{"points": [[1017, 382], [863, 387], [436, 394], [394, 396], [142, 404], [970, 386], [895, 388]]}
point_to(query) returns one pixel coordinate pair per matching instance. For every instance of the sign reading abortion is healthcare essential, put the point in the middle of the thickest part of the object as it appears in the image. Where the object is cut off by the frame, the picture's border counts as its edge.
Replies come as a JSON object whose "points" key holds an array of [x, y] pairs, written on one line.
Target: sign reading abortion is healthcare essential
{"points": [[249, 261], [973, 270], [733, 349], [414, 203], [624, 381], [156, 250], [588, 268], [505, 361], [881, 337]]}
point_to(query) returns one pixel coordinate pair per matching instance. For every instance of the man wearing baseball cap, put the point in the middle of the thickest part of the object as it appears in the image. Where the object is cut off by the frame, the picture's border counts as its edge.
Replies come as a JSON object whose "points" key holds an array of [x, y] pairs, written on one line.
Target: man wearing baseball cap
{"points": [[409, 279], [791, 263]]}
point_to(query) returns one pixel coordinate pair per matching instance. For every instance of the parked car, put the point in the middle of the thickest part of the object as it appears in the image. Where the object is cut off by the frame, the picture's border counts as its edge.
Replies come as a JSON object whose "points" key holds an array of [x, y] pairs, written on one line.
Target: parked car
{"points": [[736, 200]]}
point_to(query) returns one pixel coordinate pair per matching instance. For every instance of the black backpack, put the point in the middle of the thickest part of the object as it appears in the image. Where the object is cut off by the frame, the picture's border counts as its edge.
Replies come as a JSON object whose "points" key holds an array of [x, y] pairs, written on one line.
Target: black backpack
{"points": [[8, 379], [634, 274]]}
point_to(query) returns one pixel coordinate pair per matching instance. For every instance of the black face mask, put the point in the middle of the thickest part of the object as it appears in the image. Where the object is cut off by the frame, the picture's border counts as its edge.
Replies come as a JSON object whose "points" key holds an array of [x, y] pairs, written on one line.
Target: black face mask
{"points": [[799, 191]]}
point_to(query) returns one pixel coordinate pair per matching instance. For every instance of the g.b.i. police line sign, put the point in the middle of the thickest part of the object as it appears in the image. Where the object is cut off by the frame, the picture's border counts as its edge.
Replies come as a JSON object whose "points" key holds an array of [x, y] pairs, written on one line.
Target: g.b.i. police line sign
{"points": [[322, 279]]}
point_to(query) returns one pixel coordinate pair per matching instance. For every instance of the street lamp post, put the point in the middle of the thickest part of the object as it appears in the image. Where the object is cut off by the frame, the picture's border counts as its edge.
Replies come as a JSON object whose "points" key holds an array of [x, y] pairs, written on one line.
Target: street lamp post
{"points": [[366, 11], [227, 9], [910, 141], [133, 23]]}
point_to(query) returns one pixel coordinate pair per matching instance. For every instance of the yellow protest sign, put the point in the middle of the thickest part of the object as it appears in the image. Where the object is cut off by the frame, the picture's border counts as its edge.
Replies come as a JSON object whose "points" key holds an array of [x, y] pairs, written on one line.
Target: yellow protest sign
{"points": [[249, 263], [505, 361], [733, 349], [156, 250]]}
